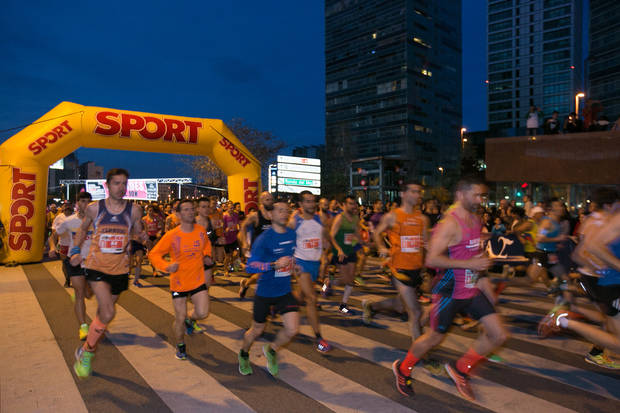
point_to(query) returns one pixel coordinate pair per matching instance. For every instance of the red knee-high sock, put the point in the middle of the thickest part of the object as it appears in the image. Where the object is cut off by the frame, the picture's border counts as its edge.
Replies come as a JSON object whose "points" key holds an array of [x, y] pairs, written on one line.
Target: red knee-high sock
{"points": [[469, 360], [95, 331], [407, 364]]}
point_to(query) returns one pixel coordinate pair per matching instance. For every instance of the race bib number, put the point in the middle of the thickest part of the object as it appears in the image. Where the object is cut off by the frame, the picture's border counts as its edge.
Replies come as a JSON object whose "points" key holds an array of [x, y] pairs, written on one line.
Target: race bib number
{"points": [[348, 239], [471, 277], [311, 244], [285, 271], [111, 243], [410, 243]]}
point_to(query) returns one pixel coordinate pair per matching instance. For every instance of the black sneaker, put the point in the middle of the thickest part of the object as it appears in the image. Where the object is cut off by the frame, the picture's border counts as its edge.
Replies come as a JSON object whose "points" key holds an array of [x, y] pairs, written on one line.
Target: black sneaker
{"points": [[404, 384], [181, 352]]}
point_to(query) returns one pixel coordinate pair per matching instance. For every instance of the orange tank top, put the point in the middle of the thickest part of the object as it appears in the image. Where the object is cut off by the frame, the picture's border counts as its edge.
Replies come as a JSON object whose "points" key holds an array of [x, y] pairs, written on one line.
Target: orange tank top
{"points": [[407, 240], [108, 249]]}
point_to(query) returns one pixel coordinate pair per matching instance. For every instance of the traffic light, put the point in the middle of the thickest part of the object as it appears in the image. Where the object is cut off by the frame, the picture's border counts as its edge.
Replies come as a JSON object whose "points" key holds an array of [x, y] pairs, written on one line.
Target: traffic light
{"points": [[524, 185]]}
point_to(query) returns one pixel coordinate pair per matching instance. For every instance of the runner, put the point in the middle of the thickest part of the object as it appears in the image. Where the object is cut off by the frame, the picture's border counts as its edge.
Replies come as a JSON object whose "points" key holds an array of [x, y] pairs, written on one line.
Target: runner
{"points": [[231, 245], [407, 230], [309, 247], [202, 219], [172, 220], [63, 242], [254, 225], [107, 264], [455, 247], [217, 220], [326, 219], [345, 238], [136, 255], [71, 226], [190, 250], [547, 240], [272, 258], [154, 226]]}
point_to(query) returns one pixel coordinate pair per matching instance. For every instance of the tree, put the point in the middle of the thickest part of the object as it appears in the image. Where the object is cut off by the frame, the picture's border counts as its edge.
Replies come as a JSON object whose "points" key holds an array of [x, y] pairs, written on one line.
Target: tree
{"points": [[264, 145]]}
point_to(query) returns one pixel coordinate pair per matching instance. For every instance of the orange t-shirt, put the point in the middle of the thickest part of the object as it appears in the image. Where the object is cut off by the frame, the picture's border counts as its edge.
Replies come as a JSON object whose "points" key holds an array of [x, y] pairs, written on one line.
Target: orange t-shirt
{"points": [[188, 249], [407, 240]]}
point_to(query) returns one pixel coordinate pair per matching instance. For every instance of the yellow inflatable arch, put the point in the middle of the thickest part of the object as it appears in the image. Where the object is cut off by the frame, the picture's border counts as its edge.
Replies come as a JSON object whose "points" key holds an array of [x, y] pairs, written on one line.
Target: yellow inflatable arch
{"points": [[26, 156]]}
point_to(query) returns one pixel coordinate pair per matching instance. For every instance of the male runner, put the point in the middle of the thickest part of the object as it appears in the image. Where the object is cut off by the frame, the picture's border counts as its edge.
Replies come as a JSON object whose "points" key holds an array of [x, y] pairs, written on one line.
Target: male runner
{"points": [[326, 219], [136, 255], [254, 225], [63, 242], [547, 239], [311, 235], [407, 230], [202, 219], [345, 237], [107, 264], [190, 250], [71, 226], [154, 226], [172, 220], [455, 247], [272, 258], [231, 245]]}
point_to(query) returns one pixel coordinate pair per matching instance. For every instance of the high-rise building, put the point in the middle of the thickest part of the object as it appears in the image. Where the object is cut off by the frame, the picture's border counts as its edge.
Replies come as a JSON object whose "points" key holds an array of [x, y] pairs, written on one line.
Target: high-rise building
{"points": [[534, 58], [604, 56], [393, 86]]}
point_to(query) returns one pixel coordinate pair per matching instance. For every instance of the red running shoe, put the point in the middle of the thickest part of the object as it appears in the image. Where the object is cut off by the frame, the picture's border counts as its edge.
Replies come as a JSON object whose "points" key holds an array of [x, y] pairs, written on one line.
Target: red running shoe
{"points": [[461, 381], [404, 384]]}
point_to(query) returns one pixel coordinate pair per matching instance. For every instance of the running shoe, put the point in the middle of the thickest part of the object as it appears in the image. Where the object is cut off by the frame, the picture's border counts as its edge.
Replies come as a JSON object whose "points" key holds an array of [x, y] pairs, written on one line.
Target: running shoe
{"points": [[82, 366], [359, 281], [494, 358], [181, 352], [243, 289], [72, 295], [326, 291], [272, 360], [83, 331], [244, 365], [344, 309], [549, 324], [404, 384], [461, 381], [367, 313], [323, 346], [603, 361], [191, 326]]}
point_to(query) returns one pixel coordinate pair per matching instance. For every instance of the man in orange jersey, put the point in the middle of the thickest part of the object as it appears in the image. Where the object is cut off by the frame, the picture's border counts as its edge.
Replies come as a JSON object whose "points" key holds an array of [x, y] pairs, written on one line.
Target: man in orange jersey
{"points": [[407, 231], [190, 250], [115, 220]]}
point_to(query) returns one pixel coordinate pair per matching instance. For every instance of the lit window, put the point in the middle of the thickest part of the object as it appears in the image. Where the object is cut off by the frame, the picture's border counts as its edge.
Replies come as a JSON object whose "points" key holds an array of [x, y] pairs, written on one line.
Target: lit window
{"points": [[374, 35], [427, 73], [422, 42]]}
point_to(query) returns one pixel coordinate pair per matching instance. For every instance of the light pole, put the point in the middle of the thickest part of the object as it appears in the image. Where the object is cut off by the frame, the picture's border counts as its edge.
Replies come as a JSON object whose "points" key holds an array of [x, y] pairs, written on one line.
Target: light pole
{"points": [[577, 96], [463, 138], [440, 169]]}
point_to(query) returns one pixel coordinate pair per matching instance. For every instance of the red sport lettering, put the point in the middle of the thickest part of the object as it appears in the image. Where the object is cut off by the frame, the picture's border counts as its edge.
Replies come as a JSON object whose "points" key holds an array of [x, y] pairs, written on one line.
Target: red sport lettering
{"points": [[52, 136], [149, 127], [250, 194], [22, 210]]}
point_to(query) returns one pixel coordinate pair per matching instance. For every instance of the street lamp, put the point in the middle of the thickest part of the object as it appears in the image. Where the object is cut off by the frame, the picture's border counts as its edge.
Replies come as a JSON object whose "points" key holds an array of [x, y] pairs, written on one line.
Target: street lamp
{"points": [[577, 96], [440, 169], [463, 139]]}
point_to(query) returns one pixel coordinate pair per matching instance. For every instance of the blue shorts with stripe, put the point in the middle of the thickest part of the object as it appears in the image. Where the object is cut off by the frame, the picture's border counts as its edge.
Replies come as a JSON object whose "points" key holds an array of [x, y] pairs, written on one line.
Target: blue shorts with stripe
{"points": [[445, 308], [311, 267]]}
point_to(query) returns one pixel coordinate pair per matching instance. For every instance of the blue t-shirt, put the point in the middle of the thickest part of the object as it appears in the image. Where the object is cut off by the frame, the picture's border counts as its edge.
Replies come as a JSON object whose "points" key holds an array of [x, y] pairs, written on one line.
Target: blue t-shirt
{"points": [[267, 248]]}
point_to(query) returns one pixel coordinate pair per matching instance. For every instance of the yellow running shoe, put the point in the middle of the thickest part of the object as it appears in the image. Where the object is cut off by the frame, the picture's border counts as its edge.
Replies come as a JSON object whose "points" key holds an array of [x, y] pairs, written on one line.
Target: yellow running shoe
{"points": [[603, 361], [82, 366], [83, 331]]}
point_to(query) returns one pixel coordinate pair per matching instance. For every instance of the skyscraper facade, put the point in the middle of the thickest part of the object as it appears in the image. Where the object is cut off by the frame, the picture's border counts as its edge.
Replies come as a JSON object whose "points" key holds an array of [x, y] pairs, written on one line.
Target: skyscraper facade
{"points": [[534, 59], [604, 56], [393, 85]]}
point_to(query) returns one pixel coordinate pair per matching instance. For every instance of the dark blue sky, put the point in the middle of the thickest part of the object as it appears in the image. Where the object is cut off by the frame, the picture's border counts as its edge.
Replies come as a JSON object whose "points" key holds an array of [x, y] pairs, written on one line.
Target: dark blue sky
{"points": [[261, 61]]}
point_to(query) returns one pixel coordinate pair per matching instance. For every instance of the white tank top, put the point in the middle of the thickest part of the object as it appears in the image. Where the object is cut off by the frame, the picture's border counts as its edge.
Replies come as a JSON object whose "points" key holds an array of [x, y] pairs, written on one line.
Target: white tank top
{"points": [[309, 238]]}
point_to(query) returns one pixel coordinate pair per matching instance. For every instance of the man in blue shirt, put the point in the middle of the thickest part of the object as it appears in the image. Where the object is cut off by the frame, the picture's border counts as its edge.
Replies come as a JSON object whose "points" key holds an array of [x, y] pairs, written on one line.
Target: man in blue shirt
{"points": [[272, 257]]}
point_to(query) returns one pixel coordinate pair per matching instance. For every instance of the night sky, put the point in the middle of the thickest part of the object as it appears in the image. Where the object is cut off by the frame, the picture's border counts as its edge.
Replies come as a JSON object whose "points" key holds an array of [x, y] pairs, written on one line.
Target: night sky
{"points": [[261, 61]]}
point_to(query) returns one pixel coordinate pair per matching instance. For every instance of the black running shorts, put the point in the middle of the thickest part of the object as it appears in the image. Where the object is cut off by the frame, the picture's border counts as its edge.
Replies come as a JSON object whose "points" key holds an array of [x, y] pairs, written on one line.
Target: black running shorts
{"points": [[182, 294], [118, 283], [445, 308], [282, 304]]}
